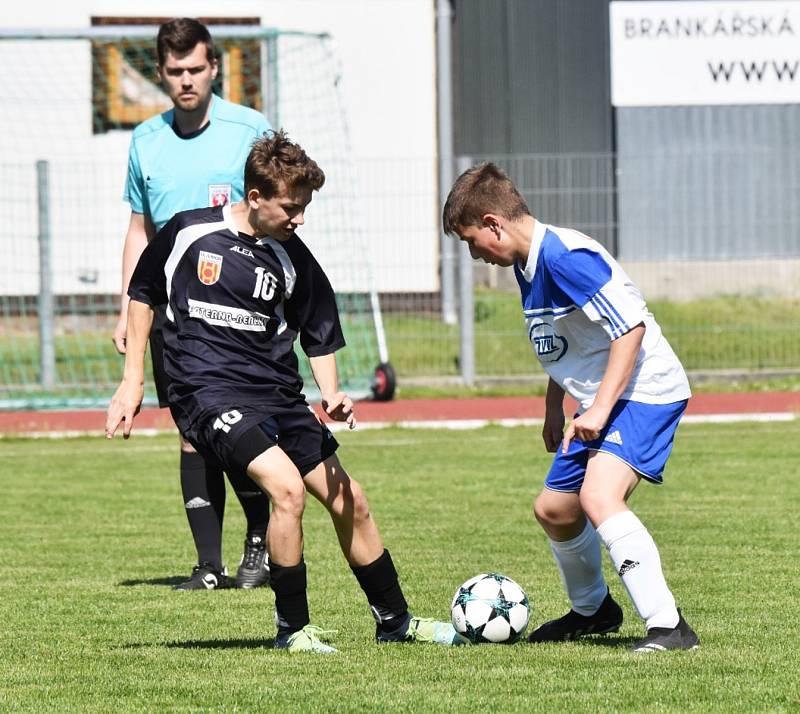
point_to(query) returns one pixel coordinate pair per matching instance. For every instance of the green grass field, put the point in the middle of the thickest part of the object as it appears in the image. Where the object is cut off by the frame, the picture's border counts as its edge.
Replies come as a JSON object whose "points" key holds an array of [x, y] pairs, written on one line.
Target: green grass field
{"points": [[92, 536]]}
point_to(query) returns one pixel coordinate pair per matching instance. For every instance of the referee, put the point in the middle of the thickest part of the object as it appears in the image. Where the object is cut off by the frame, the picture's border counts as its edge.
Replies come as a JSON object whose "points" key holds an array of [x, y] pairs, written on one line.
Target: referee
{"points": [[188, 157]]}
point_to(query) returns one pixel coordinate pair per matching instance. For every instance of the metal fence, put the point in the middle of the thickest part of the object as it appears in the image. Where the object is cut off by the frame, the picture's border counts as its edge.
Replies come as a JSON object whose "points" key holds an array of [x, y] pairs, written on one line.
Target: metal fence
{"points": [[735, 313], [726, 304]]}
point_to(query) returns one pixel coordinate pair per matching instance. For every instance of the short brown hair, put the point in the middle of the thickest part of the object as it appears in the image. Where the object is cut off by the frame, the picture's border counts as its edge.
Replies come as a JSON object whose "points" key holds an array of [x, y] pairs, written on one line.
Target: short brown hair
{"points": [[483, 189], [182, 35], [275, 163]]}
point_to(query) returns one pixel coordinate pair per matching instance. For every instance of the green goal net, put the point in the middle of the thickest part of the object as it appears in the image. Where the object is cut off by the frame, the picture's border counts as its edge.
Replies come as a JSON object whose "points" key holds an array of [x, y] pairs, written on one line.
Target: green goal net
{"points": [[70, 101]]}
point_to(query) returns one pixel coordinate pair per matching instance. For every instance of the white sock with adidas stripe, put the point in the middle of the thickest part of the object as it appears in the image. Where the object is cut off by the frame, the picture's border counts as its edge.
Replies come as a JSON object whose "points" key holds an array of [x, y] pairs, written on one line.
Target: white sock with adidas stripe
{"points": [[579, 563], [635, 557]]}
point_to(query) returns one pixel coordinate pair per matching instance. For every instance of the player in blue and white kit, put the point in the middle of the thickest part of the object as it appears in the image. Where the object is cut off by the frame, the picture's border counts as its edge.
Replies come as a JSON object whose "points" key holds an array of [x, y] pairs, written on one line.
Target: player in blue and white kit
{"points": [[240, 287], [188, 157], [594, 336]]}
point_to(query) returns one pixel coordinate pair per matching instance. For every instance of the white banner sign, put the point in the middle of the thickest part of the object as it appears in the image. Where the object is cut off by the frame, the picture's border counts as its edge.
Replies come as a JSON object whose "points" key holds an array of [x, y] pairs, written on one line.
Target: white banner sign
{"points": [[695, 53]]}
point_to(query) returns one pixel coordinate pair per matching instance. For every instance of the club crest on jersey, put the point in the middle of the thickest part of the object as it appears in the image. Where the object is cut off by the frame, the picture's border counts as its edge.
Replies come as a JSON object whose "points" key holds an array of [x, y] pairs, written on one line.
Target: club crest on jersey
{"points": [[209, 266], [219, 194], [549, 346]]}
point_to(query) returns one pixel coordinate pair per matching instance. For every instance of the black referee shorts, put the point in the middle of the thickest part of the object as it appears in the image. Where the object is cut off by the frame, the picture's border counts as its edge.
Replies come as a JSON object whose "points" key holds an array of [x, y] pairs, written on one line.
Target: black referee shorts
{"points": [[237, 435]]}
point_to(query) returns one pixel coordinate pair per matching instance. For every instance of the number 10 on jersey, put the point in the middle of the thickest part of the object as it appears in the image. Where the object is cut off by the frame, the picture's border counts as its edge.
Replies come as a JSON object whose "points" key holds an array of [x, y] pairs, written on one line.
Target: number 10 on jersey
{"points": [[265, 284]]}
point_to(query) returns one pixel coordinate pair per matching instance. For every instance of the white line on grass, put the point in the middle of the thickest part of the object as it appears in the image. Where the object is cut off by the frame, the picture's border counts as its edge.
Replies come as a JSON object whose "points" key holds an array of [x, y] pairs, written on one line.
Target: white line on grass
{"points": [[460, 424], [480, 423]]}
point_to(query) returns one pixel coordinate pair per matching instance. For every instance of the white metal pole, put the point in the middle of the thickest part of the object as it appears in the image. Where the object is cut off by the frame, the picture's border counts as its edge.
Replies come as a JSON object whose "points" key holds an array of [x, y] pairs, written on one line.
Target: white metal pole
{"points": [[444, 87], [47, 350], [466, 307]]}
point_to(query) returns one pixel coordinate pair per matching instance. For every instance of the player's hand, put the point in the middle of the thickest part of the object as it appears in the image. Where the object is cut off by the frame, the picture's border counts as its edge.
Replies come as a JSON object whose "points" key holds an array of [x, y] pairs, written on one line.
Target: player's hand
{"points": [[553, 430], [339, 407], [118, 338], [586, 427], [124, 406]]}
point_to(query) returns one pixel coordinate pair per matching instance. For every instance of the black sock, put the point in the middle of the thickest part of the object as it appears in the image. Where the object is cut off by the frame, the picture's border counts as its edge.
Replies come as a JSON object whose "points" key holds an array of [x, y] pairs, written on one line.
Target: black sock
{"points": [[255, 503], [203, 488], [291, 601], [379, 582]]}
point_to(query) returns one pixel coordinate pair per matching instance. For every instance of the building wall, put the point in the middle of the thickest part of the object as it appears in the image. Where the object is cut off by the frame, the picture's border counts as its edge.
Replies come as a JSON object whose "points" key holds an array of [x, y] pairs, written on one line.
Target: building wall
{"points": [[532, 79], [706, 183], [532, 76], [651, 183]]}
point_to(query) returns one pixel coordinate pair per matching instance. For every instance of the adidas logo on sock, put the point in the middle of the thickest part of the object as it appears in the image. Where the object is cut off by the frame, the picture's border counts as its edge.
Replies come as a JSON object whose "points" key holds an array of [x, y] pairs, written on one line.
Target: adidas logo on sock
{"points": [[197, 502], [627, 565], [615, 437]]}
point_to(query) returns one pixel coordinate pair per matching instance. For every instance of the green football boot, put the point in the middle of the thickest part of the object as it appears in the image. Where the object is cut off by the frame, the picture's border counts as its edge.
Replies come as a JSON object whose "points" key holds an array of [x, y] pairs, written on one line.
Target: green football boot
{"points": [[305, 640], [422, 629]]}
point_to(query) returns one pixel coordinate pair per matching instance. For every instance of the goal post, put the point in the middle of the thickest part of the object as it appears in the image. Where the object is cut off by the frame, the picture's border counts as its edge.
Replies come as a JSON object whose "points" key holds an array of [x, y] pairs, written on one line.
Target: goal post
{"points": [[70, 102]]}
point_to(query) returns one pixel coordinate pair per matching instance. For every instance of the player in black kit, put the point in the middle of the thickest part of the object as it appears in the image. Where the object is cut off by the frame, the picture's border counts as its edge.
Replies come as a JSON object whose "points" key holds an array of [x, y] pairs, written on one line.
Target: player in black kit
{"points": [[240, 286]]}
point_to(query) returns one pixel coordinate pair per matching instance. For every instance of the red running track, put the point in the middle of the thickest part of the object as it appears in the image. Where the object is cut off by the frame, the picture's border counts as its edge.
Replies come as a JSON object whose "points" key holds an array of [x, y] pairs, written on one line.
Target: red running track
{"points": [[491, 408]]}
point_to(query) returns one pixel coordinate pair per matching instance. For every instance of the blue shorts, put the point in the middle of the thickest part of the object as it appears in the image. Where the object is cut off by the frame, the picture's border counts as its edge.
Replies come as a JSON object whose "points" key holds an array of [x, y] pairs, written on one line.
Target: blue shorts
{"points": [[639, 434]]}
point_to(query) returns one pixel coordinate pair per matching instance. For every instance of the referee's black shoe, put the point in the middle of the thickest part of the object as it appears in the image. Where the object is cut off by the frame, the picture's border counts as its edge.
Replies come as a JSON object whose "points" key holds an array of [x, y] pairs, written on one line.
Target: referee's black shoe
{"points": [[573, 625], [658, 639], [205, 577], [253, 570]]}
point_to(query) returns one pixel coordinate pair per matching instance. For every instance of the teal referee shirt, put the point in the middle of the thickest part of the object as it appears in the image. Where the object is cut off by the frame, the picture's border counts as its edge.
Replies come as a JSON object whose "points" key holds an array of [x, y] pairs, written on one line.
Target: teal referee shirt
{"points": [[168, 173]]}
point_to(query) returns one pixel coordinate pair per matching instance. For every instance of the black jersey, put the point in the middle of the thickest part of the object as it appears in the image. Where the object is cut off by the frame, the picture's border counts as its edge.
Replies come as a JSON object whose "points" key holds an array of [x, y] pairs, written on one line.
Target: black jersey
{"points": [[235, 305]]}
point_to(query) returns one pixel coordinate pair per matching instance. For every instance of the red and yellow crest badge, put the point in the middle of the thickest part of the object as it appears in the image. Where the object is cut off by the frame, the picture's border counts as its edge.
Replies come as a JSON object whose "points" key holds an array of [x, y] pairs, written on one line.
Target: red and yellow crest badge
{"points": [[209, 267]]}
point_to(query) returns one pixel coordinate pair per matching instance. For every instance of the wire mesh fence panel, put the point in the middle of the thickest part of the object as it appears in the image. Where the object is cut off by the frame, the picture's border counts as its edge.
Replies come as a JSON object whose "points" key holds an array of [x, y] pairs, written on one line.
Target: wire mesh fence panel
{"points": [[711, 235], [723, 302], [80, 126], [731, 332]]}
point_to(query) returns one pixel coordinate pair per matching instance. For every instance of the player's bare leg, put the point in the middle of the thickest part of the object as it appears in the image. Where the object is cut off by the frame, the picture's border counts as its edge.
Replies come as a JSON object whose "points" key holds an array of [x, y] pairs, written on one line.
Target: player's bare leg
{"points": [[576, 549], [278, 477], [344, 499], [370, 562], [560, 514], [606, 488], [608, 484]]}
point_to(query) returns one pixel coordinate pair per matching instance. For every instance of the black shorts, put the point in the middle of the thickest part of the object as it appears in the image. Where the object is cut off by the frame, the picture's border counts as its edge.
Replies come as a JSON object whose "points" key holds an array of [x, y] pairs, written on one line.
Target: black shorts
{"points": [[236, 435], [160, 378]]}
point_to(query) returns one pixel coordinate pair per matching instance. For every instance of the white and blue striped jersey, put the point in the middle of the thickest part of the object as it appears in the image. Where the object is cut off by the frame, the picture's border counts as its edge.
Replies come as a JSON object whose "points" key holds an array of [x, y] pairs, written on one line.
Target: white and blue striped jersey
{"points": [[576, 300], [168, 172]]}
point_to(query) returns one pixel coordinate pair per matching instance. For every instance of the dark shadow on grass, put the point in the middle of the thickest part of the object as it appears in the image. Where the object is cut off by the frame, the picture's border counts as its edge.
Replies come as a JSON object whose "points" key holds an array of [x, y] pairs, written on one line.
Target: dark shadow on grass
{"points": [[248, 644], [606, 641], [595, 641], [171, 581]]}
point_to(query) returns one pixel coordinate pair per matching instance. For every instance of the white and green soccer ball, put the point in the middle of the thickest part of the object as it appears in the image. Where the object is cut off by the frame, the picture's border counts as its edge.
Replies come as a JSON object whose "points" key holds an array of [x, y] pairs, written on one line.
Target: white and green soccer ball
{"points": [[490, 607]]}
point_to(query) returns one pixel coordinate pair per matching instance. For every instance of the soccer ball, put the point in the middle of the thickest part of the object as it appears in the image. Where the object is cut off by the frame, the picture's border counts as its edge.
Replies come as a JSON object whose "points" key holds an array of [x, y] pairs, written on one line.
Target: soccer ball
{"points": [[490, 608]]}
